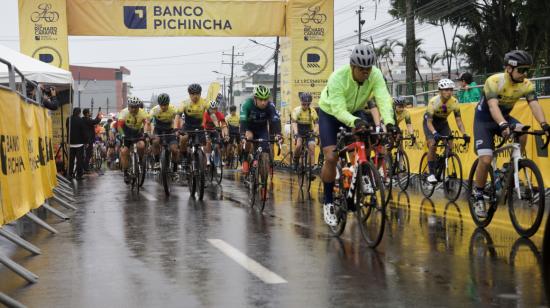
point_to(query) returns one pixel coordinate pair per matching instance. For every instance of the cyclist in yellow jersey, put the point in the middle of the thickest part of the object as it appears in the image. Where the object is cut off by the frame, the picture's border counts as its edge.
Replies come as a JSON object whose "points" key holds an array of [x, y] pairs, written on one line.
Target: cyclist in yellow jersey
{"points": [[233, 122], [131, 122], [163, 117], [402, 114], [500, 94], [304, 120], [435, 121], [193, 111]]}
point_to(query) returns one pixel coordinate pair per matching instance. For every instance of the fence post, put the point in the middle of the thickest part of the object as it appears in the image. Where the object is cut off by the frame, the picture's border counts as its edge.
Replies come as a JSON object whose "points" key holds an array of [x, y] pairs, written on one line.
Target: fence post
{"points": [[10, 302], [16, 239]]}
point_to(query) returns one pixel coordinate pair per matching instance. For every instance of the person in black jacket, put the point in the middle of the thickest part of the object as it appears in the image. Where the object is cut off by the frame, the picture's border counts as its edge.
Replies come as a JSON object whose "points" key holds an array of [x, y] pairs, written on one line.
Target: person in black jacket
{"points": [[76, 139], [90, 133], [49, 95]]}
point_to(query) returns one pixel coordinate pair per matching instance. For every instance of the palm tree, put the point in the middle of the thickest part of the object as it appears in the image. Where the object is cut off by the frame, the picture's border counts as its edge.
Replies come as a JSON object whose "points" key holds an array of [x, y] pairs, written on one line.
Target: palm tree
{"points": [[431, 61], [385, 52], [417, 50]]}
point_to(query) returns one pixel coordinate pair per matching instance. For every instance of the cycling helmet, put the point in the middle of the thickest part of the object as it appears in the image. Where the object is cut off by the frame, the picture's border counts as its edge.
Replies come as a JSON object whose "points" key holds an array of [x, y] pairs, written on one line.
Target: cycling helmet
{"points": [[517, 58], [233, 108], [445, 84], [194, 88], [219, 98], [214, 104], [362, 56], [163, 99], [134, 101], [261, 92], [398, 101], [305, 97]]}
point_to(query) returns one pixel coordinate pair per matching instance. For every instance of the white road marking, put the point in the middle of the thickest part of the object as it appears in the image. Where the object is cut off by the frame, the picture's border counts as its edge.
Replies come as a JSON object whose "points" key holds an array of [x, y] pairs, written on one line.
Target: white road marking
{"points": [[148, 196], [250, 265]]}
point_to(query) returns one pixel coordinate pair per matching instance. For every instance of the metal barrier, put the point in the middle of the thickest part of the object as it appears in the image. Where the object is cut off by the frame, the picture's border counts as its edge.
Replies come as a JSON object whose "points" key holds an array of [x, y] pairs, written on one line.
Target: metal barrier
{"points": [[63, 194]]}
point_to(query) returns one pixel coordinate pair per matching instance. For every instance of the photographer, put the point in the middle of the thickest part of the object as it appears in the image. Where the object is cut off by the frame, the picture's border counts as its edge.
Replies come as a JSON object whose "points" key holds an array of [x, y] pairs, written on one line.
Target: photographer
{"points": [[49, 95], [90, 134]]}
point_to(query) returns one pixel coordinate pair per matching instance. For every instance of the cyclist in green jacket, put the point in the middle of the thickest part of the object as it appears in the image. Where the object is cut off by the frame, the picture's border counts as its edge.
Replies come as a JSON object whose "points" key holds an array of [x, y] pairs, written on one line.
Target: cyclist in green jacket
{"points": [[347, 92]]}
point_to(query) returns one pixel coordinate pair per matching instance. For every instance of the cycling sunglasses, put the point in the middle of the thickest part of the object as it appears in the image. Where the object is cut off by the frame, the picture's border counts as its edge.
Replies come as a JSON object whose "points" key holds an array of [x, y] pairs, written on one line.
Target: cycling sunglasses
{"points": [[523, 69]]}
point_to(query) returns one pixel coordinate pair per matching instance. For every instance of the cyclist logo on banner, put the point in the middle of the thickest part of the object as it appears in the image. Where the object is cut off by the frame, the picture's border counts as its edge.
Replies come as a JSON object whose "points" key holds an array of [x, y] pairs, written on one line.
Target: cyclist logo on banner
{"points": [[45, 13], [313, 15]]}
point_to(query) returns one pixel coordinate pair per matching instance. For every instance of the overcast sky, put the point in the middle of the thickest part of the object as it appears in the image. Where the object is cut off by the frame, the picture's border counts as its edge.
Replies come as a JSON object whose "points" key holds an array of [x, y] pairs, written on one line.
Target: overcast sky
{"points": [[192, 59]]}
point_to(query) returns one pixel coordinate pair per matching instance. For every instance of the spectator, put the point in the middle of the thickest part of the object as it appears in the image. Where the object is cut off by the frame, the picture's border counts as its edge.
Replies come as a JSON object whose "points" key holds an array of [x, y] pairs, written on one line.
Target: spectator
{"points": [[77, 138], [90, 135], [467, 92], [49, 95]]}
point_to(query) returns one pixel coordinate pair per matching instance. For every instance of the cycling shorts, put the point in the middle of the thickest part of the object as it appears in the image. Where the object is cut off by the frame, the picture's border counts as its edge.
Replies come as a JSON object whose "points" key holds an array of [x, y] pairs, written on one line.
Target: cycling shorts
{"points": [[441, 126], [170, 139], [329, 127], [484, 132]]}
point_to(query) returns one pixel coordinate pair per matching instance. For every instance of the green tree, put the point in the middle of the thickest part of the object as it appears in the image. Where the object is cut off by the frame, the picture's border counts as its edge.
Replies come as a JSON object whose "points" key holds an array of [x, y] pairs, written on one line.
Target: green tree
{"points": [[431, 61], [418, 52], [386, 53], [250, 68]]}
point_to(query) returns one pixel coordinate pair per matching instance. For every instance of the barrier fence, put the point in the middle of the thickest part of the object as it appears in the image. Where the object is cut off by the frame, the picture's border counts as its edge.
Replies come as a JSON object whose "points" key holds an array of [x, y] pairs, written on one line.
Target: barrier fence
{"points": [[28, 177]]}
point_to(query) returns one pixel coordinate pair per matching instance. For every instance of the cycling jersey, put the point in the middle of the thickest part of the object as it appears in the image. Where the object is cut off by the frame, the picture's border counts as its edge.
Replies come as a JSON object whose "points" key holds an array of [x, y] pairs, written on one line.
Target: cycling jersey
{"points": [[193, 113], [439, 110], [304, 118], [501, 87], [207, 122], [233, 120], [343, 95], [404, 115], [163, 119], [133, 122], [253, 118]]}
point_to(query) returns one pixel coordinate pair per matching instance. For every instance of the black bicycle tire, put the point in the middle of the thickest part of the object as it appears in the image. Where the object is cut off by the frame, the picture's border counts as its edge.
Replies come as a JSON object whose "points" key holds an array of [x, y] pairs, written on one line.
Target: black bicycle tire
{"points": [[405, 158], [445, 189], [426, 192], [470, 195], [201, 176], [340, 206], [540, 212], [164, 165], [372, 172]]}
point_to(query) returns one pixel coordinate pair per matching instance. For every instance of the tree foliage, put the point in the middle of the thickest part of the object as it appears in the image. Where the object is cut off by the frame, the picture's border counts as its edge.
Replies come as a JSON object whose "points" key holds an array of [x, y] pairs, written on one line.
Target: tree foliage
{"points": [[251, 68], [494, 27]]}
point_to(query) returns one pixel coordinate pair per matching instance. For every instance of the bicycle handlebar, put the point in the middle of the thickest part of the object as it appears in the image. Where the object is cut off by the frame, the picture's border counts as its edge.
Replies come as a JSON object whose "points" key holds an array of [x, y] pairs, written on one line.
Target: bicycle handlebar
{"points": [[524, 131]]}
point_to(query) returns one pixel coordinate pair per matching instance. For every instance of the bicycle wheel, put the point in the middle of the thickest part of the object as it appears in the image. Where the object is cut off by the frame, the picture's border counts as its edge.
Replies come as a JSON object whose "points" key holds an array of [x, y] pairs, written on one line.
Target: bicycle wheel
{"points": [[164, 169], [142, 170], [200, 175], [191, 178], [490, 194], [135, 172], [371, 208], [263, 168], [527, 208], [385, 170], [340, 205], [301, 171], [98, 161], [218, 166], [452, 177], [402, 170], [253, 186], [309, 174], [423, 172]]}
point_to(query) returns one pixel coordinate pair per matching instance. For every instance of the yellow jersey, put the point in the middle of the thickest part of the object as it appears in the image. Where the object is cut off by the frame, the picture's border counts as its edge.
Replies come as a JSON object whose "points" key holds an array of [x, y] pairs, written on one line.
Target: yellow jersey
{"points": [[163, 119], [404, 115], [134, 122], [193, 113], [441, 110], [233, 120], [306, 118]]}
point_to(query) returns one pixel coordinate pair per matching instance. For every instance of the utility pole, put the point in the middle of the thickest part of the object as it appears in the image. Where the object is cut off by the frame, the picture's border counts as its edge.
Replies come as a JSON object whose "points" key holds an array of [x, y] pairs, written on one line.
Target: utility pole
{"points": [[233, 55], [361, 22], [107, 103], [92, 107], [276, 60], [410, 61], [79, 90]]}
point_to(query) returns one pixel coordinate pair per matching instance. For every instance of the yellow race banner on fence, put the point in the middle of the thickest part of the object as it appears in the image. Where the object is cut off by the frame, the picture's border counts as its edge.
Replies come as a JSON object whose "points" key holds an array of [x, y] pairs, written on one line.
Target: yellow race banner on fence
{"points": [[27, 167], [176, 18], [43, 31], [467, 155]]}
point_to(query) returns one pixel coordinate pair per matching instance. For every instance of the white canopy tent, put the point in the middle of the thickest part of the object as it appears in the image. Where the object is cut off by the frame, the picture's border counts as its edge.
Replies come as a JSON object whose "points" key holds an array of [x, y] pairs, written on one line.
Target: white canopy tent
{"points": [[32, 69]]}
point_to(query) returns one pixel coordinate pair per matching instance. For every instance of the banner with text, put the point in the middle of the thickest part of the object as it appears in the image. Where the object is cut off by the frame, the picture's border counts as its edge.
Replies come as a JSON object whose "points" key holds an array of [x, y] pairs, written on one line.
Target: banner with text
{"points": [[27, 167], [176, 18], [43, 31]]}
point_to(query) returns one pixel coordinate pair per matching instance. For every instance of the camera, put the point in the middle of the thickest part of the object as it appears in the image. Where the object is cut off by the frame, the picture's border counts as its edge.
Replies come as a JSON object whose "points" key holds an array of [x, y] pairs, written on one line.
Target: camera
{"points": [[48, 91]]}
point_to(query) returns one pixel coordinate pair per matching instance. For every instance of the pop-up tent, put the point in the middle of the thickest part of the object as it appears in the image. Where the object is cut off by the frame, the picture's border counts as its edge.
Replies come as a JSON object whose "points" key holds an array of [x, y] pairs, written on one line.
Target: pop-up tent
{"points": [[32, 69]]}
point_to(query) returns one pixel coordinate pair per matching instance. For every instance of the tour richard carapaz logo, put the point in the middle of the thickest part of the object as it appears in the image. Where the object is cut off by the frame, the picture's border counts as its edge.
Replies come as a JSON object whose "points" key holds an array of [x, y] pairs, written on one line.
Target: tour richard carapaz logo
{"points": [[44, 19]]}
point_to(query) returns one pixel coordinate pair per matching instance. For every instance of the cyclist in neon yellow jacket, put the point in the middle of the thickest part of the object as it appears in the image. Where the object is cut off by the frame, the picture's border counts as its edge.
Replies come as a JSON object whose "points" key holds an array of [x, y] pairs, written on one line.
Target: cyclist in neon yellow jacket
{"points": [[341, 105]]}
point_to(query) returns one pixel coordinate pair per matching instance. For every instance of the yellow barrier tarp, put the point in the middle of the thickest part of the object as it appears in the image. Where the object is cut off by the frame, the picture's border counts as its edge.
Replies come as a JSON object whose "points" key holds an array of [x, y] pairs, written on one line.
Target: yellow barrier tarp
{"points": [[27, 167], [521, 112]]}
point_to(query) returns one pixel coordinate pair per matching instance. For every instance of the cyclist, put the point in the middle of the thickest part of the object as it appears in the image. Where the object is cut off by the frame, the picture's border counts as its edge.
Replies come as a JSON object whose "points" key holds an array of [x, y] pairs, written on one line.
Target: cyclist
{"points": [[131, 122], [492, 116], [402, 114], [348, 90], [163, 116], [193, 112], [304, 121], [258, 116], [435, 122], [233, 123], [209, 124]]}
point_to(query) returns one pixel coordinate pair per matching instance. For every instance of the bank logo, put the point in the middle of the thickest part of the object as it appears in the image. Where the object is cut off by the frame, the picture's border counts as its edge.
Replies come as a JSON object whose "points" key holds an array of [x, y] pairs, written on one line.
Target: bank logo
{"points": [[313, 15], [135, 17], [44, 13], [313, 60], [48, 55]]}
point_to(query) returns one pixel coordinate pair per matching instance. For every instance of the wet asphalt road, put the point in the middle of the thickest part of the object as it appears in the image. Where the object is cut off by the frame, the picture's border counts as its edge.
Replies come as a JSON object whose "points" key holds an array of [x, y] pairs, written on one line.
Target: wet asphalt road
{"points": [[125, 250]]}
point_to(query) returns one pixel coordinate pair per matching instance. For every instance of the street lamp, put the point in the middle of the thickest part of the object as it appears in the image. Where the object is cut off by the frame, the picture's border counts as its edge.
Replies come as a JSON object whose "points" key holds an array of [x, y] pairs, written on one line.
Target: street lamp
{"points": [[276, 60]]}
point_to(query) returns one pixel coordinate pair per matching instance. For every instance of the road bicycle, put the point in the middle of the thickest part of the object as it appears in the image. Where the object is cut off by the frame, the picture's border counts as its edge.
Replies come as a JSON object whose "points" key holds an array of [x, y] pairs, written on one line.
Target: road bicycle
{"points": [[215, 170], [359, 189], [305, 165], [196, 167], [448, 170], [257, 178], [519, 181], [136, 168], [314, 15]]}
